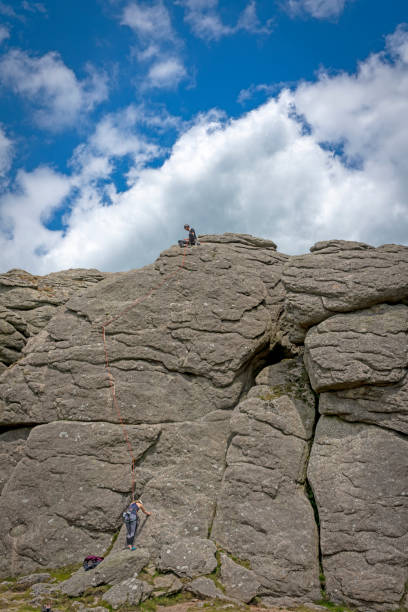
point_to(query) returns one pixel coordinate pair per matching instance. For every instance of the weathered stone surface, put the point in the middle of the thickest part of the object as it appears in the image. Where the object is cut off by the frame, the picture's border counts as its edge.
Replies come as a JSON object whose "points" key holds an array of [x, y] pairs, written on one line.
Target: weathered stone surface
{"points": [[184, 471], [168, 346], [217, 458], [206, 588], [28, 581], [239, 582], [230, 238], [76, 509], [112, 570], [359, 475], [131, 591], [13, 336], [28, 302], [40, 589], [189, 557], [167, 584], [288, 400], [12, 444], [384, 406], [341, 276], [365, 347], [263, 514]]}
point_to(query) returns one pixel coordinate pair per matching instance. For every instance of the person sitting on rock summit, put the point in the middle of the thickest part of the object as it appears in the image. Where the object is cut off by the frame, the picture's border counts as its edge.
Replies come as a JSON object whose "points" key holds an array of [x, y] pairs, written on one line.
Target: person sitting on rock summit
{"points": [[131, 521], [192, 236]]}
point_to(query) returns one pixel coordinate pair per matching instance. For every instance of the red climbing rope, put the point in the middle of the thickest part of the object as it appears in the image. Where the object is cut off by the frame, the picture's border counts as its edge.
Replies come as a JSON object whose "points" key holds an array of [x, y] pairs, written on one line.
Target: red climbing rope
{"points": [[108, 369]]}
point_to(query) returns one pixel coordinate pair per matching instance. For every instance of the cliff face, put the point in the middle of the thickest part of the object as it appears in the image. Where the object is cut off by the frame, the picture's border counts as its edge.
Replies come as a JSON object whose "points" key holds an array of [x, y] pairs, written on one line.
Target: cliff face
{"points": [[266, 402]]}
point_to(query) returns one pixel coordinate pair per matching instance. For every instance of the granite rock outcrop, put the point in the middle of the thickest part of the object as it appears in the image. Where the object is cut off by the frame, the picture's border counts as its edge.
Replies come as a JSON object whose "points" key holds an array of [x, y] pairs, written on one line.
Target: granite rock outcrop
{"points": [[265, 400]]}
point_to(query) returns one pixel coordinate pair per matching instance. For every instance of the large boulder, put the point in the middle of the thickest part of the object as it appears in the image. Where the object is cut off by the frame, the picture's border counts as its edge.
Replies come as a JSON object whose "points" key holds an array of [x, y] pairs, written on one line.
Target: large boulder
{"points": [[65, 497], [354, 349], [181, 356], [359, 476], [341, 276], [263, 514], [385, 406], [27, 303]]}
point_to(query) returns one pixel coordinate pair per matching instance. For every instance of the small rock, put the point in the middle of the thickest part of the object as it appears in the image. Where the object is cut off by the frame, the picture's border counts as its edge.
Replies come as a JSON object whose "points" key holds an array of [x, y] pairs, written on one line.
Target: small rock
{"points": [[189, 557], [28, 581], [240, 582], [116, 567], [43, 589], [205, 587], [131, 591], [150, 569], [166, 585]]}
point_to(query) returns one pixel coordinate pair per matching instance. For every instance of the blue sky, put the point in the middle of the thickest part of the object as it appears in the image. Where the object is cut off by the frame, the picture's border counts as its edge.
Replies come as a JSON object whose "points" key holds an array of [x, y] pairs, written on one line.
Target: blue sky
{"points": [[120, 120]]}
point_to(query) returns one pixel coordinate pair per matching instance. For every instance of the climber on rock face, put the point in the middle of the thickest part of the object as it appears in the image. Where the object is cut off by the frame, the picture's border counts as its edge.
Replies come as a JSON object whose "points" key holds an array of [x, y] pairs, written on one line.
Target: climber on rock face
{"points": [[192, 237], [131, 521]]}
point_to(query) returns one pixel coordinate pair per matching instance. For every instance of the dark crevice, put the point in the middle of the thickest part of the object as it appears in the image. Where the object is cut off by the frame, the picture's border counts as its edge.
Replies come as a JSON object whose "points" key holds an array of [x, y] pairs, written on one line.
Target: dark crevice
{"points": [[311, 497], [214, 511], [16, 426]]}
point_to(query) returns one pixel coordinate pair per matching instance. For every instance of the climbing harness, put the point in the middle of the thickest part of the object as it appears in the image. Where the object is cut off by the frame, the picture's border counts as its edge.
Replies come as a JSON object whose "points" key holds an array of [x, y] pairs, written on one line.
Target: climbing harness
{"points": [[108, 368]]}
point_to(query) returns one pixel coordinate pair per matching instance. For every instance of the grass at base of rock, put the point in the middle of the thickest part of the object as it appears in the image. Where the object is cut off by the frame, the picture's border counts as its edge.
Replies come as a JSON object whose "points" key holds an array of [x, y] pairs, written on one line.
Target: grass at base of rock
{"points": [[333, 607], [62, 573], [150, 605]]}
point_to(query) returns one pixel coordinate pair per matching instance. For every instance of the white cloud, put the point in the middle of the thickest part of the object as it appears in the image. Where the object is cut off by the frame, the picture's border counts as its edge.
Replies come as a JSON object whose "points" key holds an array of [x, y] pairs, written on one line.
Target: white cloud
{"points": [[166, 73], [205, 22], [246, 94], [150, 22], [34, 7], [4, 33], [321, 9], [53, 88], [6, 152], [116, 136], [269, 173], [23, 213], [159, 45]]}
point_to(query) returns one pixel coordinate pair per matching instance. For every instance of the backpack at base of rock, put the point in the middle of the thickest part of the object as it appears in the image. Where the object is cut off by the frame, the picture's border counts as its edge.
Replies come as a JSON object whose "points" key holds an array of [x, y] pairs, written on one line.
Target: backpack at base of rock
{"points": [[91, 562]]}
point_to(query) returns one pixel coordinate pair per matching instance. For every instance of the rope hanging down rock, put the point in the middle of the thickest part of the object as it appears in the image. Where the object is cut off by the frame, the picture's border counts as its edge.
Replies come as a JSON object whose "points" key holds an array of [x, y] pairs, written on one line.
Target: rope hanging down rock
{"points": [[108, 368]]}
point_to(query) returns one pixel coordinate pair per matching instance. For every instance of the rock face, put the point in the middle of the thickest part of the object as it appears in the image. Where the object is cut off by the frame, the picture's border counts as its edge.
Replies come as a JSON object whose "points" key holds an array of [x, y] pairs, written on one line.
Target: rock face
{"points": [[213, 373], [263, 514], [27, 303], [359, 475]]}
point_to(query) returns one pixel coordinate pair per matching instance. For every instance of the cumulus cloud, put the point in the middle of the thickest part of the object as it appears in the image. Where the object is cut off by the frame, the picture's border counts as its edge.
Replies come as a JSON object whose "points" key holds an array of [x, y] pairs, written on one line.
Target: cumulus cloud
{"points": [[320, 9], [166, 73], [24, 239], [150, 22], [204, 19], [4, 33], [158, 44], [46, 82], [6, 152], [116, 136], [324, 160]]}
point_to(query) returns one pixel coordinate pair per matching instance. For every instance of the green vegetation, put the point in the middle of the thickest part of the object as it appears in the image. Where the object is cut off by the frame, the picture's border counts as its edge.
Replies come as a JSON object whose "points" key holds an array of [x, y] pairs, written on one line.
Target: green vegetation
{"points": [[150, 605], [332, 606], [63, 573], [244, 562], [111, 545]]}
